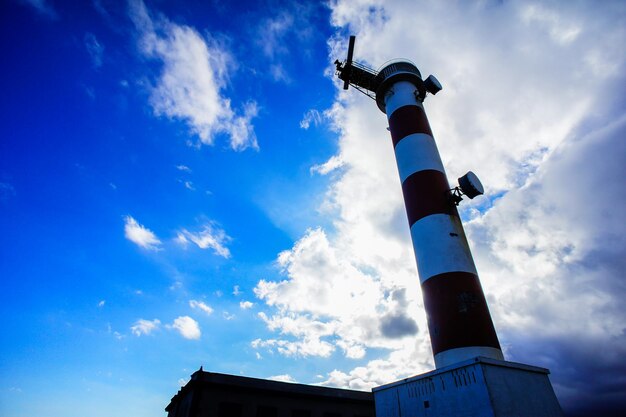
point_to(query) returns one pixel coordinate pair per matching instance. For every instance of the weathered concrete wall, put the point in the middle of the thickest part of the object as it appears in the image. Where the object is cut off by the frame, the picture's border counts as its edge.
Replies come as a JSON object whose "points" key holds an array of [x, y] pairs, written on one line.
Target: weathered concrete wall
{"points": [[477, 388]]}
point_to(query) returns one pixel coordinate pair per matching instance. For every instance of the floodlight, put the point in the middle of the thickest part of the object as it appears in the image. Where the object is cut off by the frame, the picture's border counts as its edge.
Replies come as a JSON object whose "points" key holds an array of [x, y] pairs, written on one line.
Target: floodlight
{"points": [[471, 185], [432, 84]]}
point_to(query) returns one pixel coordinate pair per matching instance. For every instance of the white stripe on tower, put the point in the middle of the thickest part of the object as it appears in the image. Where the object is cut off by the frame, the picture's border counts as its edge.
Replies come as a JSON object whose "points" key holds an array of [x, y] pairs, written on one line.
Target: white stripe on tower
{"points": [[458, 317], [436, 255], [417, 152]]}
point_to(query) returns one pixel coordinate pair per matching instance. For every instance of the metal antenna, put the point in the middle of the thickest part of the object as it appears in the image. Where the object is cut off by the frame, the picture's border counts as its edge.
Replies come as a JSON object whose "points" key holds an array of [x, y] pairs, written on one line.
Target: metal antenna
{"points": [[369, 81], [348, 66], [357, 75]]}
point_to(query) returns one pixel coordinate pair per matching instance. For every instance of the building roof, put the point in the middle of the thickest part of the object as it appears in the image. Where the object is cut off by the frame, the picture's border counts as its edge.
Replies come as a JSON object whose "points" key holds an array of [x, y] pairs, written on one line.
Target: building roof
{"points": [[202, 378]]}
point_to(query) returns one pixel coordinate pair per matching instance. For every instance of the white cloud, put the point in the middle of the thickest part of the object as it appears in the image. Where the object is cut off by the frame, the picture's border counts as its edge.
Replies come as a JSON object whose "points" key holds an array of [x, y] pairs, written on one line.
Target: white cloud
{"points": [[209, 237], [276, 36], [227, 316], [301, 348], [351, 349], [187, 327], [140, 235], [560, 249], [246, 305], [101, 303], [546, 238], [561, 30], [201, 306], [272, 32], [181, 240], [236, 291], [194, 75], [283, 378], [115, 334], [279, 73], [312, 116], [145, 327], [346, 306], [183, 168], [240, 128], [327, 167], [94, 48], [313, 267]]}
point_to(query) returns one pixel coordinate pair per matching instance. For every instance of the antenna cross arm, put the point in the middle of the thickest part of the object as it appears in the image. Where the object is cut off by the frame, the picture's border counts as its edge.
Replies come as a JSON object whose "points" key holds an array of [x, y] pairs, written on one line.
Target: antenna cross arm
{"points": [[358, 75]]}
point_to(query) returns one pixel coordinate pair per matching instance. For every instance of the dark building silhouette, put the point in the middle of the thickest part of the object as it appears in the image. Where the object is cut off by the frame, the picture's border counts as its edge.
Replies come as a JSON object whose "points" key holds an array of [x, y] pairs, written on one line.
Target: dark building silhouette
{"points": [[210, 394]]}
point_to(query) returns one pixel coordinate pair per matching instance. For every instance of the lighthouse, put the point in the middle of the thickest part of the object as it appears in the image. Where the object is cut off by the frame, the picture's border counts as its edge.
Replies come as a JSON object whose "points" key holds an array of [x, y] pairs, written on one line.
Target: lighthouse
{"points": [[459, 322], [472, 378]]}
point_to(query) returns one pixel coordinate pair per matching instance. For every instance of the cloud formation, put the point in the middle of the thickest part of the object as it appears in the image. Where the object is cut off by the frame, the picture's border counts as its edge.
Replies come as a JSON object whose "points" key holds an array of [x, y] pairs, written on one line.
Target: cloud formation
{"points": [[145, 327], [348, 307], [140, 235], [561, 251], [301, 348], [275, 35], [311, 117], [187, 327], [209, 237], [327, 167], [193, 76], [283, 378], [201, 306]]}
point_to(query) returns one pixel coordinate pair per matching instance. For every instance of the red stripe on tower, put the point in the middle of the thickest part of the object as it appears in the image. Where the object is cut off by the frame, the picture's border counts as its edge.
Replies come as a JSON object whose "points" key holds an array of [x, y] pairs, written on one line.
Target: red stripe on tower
{"points": [[408, 120], [458, 317]]}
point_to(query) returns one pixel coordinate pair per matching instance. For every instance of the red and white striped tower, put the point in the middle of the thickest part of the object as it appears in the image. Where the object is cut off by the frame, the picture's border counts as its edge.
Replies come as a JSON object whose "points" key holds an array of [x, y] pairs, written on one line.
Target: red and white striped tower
{"points": [[458, 317]]}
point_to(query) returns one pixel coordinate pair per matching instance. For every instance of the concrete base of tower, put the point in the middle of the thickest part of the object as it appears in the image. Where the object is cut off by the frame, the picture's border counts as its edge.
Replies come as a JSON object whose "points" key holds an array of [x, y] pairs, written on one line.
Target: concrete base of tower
{"points": [[480, 387]]}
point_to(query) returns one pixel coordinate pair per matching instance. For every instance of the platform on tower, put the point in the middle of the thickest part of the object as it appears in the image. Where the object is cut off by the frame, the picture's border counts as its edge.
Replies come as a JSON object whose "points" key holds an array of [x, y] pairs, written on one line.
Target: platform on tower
{"points": [[479, 387]]}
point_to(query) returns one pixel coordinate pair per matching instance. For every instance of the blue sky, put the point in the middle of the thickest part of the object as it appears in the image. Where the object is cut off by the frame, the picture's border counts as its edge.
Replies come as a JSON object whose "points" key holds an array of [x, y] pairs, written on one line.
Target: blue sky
{"points": [[186, 184]]}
